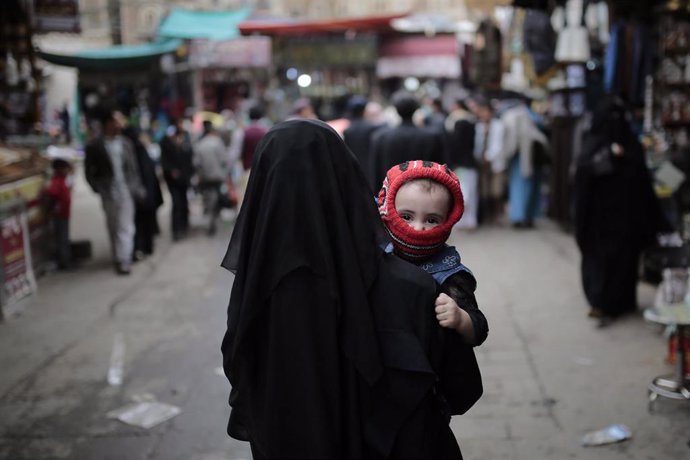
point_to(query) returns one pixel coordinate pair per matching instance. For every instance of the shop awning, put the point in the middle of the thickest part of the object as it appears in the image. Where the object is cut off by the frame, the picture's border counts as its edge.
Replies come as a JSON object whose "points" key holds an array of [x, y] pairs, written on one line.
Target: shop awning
{"points": [[212, 25], [114, 57], [293, 27], [419, 56]]}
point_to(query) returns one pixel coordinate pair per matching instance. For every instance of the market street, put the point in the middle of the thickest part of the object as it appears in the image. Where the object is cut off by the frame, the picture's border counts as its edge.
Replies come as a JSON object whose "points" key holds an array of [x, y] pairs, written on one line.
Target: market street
{"points": [[550, 375]]}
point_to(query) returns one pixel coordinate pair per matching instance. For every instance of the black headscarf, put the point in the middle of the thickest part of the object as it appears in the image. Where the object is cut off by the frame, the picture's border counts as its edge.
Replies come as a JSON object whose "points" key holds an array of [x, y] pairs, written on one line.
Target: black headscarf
{"points": [[307, 204]]}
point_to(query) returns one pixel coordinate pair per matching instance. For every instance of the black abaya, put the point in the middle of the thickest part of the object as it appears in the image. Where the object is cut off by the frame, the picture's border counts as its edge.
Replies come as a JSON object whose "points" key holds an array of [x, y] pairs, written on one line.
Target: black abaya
{"points": [[617, 213], [332, 347]]}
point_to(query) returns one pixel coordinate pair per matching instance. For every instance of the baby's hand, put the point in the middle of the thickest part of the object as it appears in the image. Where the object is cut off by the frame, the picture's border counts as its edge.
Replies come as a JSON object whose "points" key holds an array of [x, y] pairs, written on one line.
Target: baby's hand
{"points": [[448, 313]]}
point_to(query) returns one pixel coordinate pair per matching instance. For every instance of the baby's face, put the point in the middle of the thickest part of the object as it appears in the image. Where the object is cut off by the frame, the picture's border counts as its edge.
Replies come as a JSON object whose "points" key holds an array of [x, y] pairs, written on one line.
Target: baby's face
{"points": [[421, 207]]}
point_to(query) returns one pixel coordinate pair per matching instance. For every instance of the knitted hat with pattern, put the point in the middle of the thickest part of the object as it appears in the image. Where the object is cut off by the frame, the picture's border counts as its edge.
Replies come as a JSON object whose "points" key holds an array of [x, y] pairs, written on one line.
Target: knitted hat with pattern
{"points": [[409, 243]]}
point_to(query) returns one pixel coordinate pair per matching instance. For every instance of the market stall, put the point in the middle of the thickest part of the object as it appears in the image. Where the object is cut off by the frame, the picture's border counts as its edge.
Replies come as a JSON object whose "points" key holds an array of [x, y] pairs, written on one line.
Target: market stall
{"points": [[19, 82]]}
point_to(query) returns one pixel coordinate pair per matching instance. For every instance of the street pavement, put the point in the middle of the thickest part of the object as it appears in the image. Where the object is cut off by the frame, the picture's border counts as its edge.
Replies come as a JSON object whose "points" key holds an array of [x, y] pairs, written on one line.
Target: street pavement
{"points": [[550, 374]]}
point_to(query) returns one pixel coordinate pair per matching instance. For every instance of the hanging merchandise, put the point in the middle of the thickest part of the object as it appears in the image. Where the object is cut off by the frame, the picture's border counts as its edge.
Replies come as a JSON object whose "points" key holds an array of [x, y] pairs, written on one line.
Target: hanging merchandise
{"points": [[532, 4], [597, 22], [539, 40], [672, 82], [486, 69], [19, 91], [573, 40], [12, 72]]}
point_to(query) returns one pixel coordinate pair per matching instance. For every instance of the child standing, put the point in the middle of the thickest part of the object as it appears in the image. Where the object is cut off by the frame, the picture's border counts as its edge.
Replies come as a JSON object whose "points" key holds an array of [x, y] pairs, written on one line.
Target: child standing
{"points": [[419, 203], [60, 202]]}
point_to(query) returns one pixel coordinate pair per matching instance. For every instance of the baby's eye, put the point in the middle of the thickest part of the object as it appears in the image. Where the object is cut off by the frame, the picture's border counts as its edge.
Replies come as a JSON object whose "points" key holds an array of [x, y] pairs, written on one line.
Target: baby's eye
{"points": [[433, 221], [404, 216]]}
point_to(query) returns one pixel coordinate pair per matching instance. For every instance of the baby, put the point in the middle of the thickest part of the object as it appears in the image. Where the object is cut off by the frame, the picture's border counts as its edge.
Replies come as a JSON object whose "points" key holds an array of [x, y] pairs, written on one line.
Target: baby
{"points": [[419, 203]]}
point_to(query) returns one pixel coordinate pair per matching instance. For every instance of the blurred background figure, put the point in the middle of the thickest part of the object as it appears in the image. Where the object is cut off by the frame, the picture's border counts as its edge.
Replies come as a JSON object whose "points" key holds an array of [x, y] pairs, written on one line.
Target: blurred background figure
{"points": [[524, 147], [373, 113], [111, 169], [488, 147], [65, 121], [405, 142], [146, 208], [178, 169], [435, 114], [302, 108], [59, 203], [358, 134], [212, 163], [617, 214], [253, 133], [460, 157]]}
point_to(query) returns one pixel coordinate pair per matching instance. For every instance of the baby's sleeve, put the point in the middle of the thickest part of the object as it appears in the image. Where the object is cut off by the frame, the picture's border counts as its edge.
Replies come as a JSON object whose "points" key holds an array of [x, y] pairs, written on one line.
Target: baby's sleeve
{"points": [[460, 287]]}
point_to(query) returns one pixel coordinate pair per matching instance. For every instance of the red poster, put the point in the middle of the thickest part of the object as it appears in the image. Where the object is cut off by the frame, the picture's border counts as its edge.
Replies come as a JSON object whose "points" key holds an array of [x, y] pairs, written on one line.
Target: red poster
{"points": [[18, 279]]}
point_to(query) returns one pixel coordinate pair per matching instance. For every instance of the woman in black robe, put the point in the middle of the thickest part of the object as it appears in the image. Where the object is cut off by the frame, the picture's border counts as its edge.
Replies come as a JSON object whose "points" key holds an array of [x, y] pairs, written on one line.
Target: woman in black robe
{"points": [[332, 347], [617, 214], [145, 218]]}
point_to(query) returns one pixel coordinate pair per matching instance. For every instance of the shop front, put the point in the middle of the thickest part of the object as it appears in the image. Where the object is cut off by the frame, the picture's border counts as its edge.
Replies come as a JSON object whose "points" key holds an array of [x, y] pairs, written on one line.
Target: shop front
{"points": [[139, 80], [432, 61], [325, 60], [336, 67], [227, 72], [24, 228], [19, 82]]}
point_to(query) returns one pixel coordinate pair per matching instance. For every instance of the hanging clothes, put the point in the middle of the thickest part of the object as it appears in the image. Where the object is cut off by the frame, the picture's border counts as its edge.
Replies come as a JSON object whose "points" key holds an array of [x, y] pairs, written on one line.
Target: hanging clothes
{"points": [[539, 39], [629, 59], [486, 70]]}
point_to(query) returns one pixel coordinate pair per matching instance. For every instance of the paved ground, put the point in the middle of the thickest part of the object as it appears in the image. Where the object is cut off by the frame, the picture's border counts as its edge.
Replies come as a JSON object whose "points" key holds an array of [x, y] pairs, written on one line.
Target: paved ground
{"points": [[550, 375]]}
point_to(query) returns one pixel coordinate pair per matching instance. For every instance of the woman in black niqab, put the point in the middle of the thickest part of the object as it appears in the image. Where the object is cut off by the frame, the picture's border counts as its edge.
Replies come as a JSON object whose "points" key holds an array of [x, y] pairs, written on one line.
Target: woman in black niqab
{"points": [[313, 373], [617, 213]]}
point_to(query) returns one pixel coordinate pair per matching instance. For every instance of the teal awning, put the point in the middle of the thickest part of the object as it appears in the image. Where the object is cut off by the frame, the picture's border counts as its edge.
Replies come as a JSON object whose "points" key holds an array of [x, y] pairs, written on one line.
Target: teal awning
{"points": [[114, 57], [211, 25]]}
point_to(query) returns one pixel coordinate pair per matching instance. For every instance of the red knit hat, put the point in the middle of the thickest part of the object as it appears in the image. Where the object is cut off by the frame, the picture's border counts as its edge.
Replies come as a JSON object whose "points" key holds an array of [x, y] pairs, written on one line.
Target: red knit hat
{"points": [[411, 244]]}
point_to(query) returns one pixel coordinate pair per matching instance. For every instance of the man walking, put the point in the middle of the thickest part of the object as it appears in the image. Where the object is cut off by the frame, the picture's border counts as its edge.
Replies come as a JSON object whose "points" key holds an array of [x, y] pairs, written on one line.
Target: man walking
{"points": [[211, 160], [111, 170]]}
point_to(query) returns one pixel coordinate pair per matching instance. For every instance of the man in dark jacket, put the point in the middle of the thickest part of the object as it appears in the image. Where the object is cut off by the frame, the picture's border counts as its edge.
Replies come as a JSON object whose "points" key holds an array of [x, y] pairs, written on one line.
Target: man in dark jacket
{"points": [[406, 142], [111, 170], [176, 162], [358, 134], [145, 220]]}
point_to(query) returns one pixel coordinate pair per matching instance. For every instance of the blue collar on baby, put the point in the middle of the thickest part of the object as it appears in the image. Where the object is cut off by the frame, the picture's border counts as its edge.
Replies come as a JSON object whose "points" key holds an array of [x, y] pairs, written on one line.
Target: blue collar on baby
{"points": [[441, 265]]}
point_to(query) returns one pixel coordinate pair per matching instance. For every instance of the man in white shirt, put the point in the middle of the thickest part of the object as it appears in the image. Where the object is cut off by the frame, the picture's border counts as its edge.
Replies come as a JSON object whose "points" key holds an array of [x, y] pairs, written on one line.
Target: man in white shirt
{"points": [[111, 170]]}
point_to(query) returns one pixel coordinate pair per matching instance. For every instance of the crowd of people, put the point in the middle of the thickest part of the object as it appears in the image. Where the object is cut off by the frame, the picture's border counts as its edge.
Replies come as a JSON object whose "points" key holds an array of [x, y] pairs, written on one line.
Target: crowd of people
{"points": [[353, 217], [491, 144], [126, 167], [498, 147]]}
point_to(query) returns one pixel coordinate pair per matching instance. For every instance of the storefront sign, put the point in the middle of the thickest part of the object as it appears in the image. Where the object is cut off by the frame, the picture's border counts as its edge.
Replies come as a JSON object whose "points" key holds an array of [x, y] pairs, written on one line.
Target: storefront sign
{"points": [[56, 16], [18, 281], [236, 53], [29, 191], [327, 52], [435, 57]]}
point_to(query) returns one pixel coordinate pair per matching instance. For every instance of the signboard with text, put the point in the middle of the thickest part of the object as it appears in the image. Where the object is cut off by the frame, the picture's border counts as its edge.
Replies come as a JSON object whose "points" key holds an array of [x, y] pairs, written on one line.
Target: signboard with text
{"points": [[17, 276], [360, 51], [56, 16], [241, 52]]}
